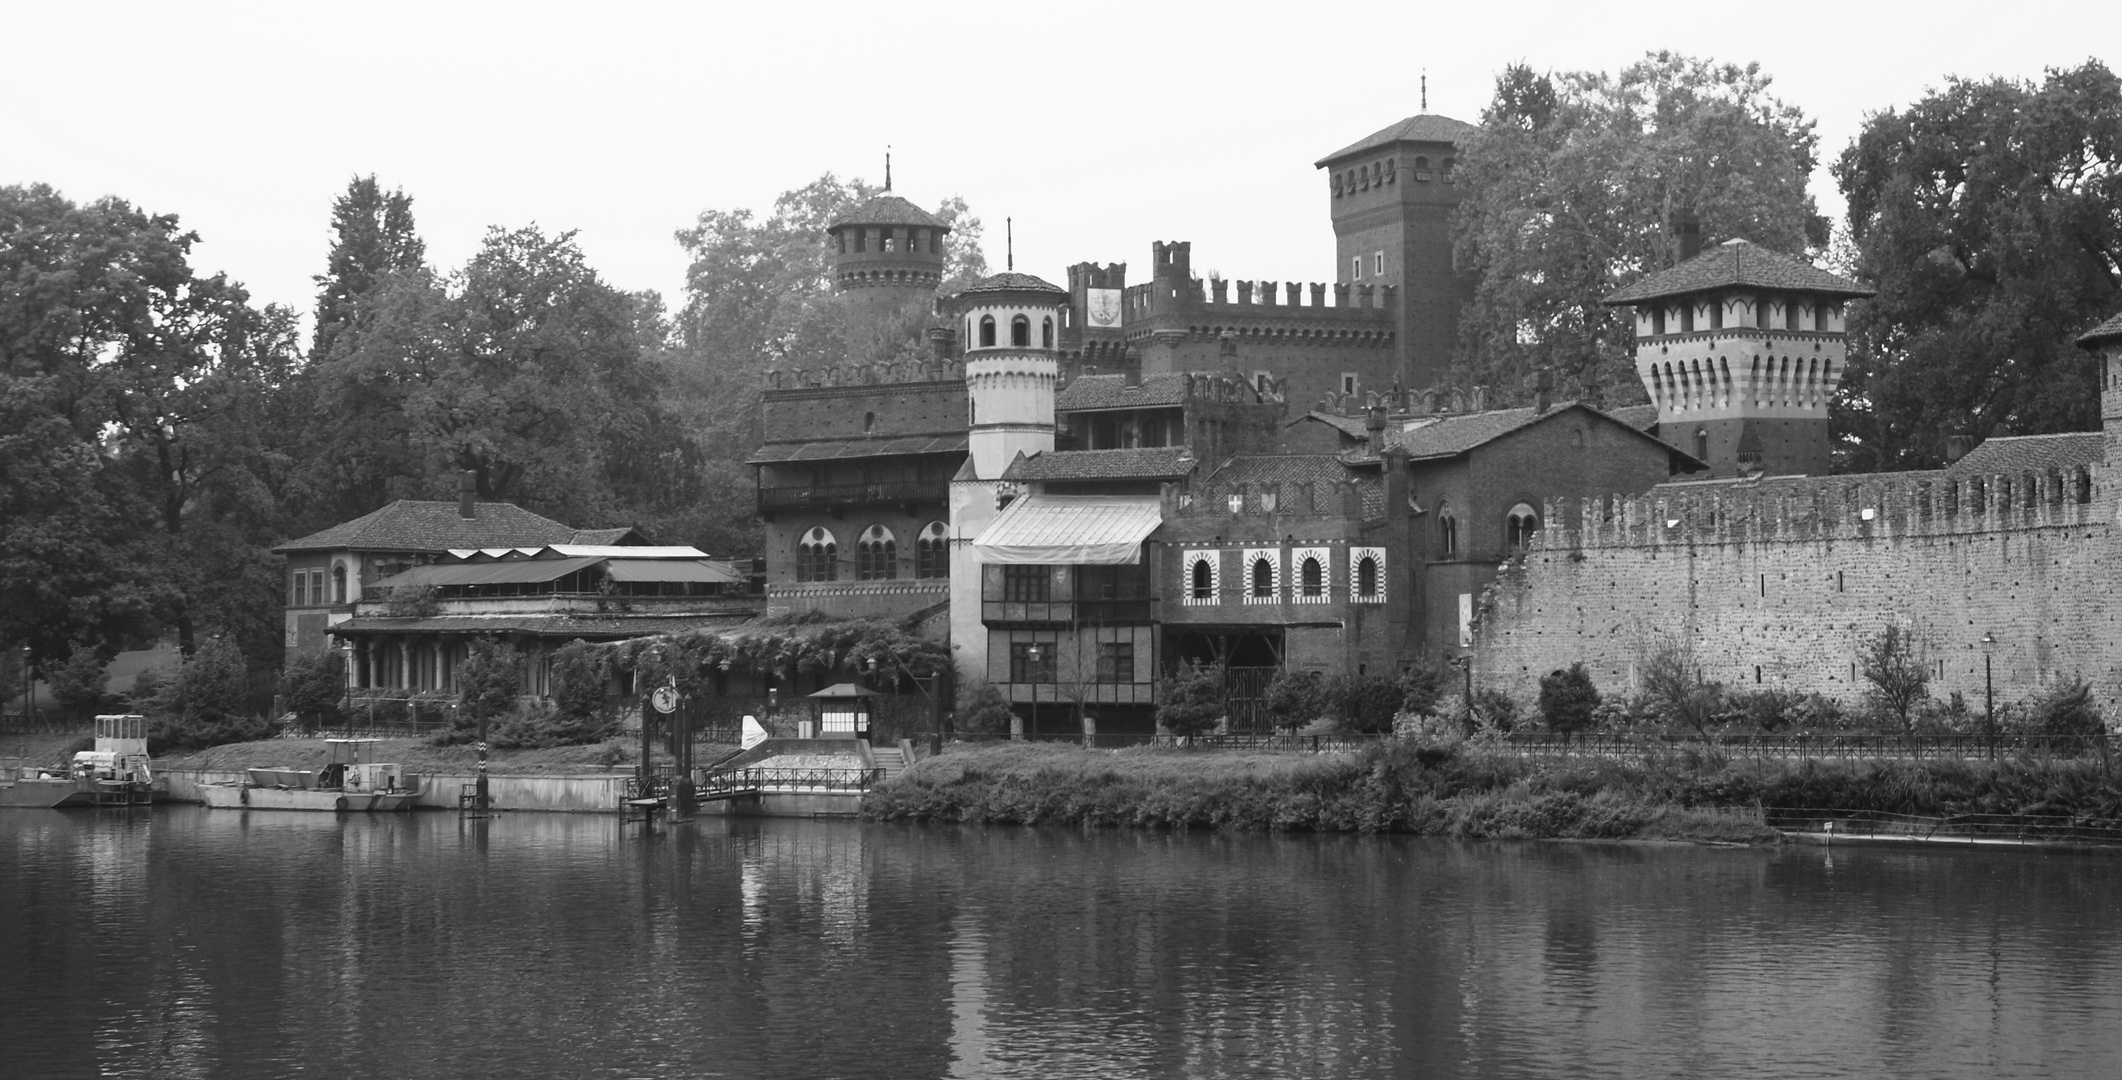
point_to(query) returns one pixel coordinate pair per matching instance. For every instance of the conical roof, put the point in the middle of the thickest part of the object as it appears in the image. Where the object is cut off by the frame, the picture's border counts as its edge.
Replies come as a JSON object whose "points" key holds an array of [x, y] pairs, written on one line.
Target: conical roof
{"points": [[888, 209], [1738, 264], [1013, 282]]}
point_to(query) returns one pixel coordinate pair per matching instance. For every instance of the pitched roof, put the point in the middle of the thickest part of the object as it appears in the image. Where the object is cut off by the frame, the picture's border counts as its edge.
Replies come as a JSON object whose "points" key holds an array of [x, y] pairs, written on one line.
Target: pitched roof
{"points": [[1283, 469], [1012, 282], [2107, 331], [888, 209], [1640, 417], [608, 537], [1351, 426], [1140, 463], [1424, 127], [565, 626], [2016, 454], [423, 525], [1738, 263], [1432, 437], [1112, 392]]}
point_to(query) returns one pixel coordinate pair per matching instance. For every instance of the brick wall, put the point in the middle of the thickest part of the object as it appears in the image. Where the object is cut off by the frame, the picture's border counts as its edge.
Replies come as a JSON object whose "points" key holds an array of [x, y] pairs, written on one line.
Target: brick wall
{"points": [[1778, 589]]}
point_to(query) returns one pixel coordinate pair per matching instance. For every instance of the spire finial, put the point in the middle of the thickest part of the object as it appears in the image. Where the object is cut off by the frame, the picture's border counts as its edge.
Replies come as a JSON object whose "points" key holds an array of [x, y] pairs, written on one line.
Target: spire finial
{"points": [[887, 167], [1425, 108], [1009, 233]]}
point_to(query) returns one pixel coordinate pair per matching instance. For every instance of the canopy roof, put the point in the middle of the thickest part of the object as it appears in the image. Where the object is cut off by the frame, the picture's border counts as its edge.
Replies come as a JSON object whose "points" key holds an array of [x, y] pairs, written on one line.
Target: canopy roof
{"points": [[671, 570], [1073, 529], [844, 690]]}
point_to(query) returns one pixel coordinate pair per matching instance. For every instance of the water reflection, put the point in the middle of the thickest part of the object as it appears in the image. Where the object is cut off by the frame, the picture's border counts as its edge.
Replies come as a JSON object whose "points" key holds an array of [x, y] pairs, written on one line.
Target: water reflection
{"points": [[187, 943]]}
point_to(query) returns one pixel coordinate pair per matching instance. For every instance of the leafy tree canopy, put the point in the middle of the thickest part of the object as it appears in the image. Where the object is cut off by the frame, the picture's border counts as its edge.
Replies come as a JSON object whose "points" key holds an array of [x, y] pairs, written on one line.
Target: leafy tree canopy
{"points": [[1989, 217], [1580, 184]]}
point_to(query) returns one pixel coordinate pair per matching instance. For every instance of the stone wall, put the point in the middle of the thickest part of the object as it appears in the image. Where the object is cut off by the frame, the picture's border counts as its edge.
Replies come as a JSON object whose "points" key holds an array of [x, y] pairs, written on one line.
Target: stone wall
{"points": [[1775, 584]]}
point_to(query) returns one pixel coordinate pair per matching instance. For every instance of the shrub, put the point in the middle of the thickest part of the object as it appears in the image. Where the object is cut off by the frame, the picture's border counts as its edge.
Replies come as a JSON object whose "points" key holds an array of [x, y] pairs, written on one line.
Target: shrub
{"points": [[1493, 710], [1673, 686], [581, 677], [1365, 704], [1295, 698], [982, 709], [312, 687], [1190, 699], [1893, 662], [489, 684], [2066, 712], [1421, 688], [203, 704], [1568, 700]]}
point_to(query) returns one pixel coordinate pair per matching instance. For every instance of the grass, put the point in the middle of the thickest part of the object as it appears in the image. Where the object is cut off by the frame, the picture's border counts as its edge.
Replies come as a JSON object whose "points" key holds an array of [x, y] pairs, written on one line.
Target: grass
{"points": [[419, 756], [1459, 791]]}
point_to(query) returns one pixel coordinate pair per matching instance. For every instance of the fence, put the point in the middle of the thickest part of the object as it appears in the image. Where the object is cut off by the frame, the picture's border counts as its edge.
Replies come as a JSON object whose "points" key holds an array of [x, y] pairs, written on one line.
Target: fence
{"points": [[38, 723], [791, 780], [1298, 744], [1804, 747]]}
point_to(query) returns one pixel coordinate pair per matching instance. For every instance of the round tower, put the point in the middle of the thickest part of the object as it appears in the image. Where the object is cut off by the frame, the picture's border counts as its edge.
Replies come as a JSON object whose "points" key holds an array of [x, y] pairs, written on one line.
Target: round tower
{"points": [[1010, 325], [1741, 348], [887, 255]]}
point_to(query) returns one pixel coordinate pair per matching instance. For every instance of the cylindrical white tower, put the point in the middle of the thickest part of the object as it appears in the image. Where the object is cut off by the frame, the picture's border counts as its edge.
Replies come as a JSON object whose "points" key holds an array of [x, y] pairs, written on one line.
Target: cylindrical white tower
{"points": [[1009, 324]]}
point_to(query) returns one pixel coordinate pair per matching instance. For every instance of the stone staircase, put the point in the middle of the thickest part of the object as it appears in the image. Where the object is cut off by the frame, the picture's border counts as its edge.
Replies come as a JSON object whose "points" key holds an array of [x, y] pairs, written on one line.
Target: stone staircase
{"points": [[891, 760]]}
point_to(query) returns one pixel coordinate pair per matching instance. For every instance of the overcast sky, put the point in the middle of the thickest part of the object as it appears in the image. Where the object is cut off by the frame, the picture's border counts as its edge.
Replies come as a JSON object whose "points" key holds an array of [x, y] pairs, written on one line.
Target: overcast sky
{"points": [[1098, 127]]}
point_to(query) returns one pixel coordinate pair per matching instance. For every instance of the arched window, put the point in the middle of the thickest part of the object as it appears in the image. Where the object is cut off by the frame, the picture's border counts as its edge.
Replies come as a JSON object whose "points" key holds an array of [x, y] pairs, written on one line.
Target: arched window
{"points": [[1702, 444], [1311, 577], [1046, 333], [932, 551], [987, 331], [876, 555], [1263, 579], [1201, 577], [1519, 527], [1447, 530], [817, 556], [339, 584], [1366, 577], [1020, 332]]}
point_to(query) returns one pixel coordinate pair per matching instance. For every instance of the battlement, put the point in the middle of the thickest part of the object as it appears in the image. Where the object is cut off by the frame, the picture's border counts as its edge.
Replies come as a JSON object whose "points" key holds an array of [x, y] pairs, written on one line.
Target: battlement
{"points": [[1089, 275], [1404, 404], [1360, 302], [1852, 508], [905, 371]]}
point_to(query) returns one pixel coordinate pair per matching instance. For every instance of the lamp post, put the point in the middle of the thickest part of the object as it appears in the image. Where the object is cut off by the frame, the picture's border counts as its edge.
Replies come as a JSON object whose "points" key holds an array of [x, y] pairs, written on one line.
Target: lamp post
{"points": [[1032, 674], [1989, 695]]}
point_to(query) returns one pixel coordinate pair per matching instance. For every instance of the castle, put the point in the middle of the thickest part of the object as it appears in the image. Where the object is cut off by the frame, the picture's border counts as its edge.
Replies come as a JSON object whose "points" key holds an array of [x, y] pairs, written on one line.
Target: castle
{"points": [[1083, 486]]}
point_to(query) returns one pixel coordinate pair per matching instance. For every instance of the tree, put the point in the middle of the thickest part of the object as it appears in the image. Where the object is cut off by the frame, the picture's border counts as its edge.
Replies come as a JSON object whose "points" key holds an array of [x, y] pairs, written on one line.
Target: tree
{"points": [[581, 680], [79, 682], [1674, 685], [491, 678], [1567, 699], [1580, 184], [1190, 699], [1295, 698], [312, 686], [207, 702], [373, 238], [1989, 215], [1894, 663]]}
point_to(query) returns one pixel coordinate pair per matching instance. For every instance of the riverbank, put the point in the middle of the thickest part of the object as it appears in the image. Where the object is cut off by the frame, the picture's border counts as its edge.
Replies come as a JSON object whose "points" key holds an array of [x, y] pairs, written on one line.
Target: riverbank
{"points": [[1463, 791], [421, 757]]}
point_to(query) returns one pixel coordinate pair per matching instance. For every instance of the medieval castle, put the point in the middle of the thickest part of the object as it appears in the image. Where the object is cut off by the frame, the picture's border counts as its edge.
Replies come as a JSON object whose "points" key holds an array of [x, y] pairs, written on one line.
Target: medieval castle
{"points": [[1082, 486]]}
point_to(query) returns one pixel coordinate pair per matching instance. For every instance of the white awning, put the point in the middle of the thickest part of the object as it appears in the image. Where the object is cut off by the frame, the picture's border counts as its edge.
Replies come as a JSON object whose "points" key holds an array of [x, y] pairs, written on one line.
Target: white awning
{"points": [[1069, 529]]}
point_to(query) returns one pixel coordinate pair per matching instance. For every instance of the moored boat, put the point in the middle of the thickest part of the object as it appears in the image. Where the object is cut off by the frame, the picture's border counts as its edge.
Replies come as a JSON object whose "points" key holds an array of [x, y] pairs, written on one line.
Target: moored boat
{"points": [[349, 783], [115, 773]]}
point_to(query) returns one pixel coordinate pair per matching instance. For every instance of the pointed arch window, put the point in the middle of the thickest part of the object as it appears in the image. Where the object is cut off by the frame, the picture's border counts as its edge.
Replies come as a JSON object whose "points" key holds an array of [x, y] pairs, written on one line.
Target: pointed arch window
{"points": [[1020, 332], [817, 556], [987, 331], [932, 551], [876, 555], [1046, 333], [1447, 531], [1519, 527]]}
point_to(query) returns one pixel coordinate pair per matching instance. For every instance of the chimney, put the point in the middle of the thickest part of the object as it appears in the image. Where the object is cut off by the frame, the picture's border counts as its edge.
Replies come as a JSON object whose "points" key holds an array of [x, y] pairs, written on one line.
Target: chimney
{"points": [[467, 494], [1374, 428], [1131, 368], [1690, 229], [1543, 383]]}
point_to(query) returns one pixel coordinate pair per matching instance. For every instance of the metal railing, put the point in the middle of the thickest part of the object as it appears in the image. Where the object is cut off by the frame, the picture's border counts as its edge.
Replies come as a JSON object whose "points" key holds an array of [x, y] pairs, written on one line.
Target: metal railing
{"points": [[1301, 744], [806, 780], [798, 496], [1885, 825], [1862, 745]]}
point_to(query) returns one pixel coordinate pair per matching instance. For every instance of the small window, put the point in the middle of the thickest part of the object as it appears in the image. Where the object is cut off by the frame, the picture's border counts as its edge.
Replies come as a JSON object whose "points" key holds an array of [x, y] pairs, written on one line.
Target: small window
{"points": [[1377, 264], [869, 422], [1201, 579], [1355, 268], [1348, 382], [1312, 578], [1031, 661], [932, 551], [1820, 318], [1116, 661], [1027, 584], [1263, 579], [1761, 320], [1046, 333], [817, 556], [876, 555], [1657, 321], [339, 584], [1702, 444], [1687, 318], [1447, 531], [1020, 332], [1519, 527], [1366, 577], [987, 331], [861, 239], [1790, 315]]}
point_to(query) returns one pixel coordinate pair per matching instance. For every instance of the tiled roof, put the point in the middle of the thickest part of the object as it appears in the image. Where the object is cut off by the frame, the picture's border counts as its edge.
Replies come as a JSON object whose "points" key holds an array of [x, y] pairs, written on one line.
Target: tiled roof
{"points": [[1432, 437], [605, 537], [1738, 263], [1112, 392], [2016, 454], [1426, 127], [888, 209], [1351, 426], [837, 449], [1283, 469], [1013, 282], [1142, 463], [1640, 417], [2107, 331], [587, 626], [419, 525]]}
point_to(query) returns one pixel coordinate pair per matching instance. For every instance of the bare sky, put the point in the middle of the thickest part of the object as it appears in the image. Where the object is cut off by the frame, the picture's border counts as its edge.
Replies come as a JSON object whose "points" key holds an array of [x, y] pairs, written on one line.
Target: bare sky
{"points": [[1098, 126]]}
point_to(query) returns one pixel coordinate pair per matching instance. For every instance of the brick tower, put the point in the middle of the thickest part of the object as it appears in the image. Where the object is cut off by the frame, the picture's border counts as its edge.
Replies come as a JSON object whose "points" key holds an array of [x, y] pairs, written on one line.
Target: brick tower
{"points": [[2105, 342], [887, 256], [1392, 195], [1741, 349]]}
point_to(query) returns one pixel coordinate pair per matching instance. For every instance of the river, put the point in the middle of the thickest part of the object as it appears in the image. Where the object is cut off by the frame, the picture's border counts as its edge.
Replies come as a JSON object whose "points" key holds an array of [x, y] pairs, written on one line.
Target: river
{"points": [[182, 942]]}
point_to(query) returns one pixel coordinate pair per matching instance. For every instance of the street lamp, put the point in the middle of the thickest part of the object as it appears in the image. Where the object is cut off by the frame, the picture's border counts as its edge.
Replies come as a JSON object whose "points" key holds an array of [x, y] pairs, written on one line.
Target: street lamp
{"points": [[1989, 694], [1032, 675]]}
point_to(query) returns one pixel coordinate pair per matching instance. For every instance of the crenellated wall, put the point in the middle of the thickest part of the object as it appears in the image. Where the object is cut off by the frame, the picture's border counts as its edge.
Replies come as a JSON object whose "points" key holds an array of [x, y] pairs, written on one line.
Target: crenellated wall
{"points": [[1775, 583]]}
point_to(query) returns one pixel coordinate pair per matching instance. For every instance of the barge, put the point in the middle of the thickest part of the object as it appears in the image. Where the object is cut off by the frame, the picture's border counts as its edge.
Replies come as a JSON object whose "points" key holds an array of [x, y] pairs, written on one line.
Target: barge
{"points": [[348, 783], [115, 773]]}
